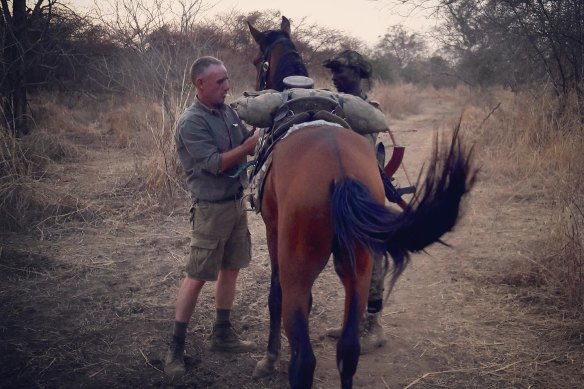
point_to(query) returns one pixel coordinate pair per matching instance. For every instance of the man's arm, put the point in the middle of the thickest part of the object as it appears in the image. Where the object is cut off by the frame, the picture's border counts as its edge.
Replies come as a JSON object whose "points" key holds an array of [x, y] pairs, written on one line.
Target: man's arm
{"points": [[231, 158]]}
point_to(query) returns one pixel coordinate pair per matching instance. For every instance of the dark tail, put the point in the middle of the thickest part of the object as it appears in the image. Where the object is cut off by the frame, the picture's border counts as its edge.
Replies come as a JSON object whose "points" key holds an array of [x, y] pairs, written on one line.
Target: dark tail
{"points": [[357, 217], [435, 210]]}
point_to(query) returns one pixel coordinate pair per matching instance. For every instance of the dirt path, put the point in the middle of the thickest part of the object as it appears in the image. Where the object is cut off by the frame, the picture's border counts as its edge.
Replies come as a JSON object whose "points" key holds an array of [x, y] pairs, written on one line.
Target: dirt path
{"points": [[91, 304]]}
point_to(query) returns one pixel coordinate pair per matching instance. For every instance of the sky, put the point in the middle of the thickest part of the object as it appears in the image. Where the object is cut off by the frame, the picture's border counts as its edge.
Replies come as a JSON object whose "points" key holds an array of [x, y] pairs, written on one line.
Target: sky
{"points": [[363, 19]]}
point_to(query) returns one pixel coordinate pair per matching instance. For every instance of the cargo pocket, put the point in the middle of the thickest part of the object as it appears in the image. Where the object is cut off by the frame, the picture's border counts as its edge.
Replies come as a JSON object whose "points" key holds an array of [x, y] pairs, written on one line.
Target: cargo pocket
{"points": [[205, 259]]}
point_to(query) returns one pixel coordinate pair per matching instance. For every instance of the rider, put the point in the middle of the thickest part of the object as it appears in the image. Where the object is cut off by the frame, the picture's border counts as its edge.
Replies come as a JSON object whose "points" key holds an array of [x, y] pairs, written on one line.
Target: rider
{"points": [[349, 69]]}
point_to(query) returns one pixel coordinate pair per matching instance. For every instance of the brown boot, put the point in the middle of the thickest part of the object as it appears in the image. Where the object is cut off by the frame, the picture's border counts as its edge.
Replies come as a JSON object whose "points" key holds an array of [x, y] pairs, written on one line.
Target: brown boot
{"points": [[174, 360], [225, 339], [335, 332], [372, 336]]}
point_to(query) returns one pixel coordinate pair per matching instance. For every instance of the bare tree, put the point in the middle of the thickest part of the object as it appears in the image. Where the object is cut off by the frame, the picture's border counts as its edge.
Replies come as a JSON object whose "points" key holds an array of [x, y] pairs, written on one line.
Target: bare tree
{"points": [[22, 31], [158, 41], [43, 44], [404, 46], [516, 38]]}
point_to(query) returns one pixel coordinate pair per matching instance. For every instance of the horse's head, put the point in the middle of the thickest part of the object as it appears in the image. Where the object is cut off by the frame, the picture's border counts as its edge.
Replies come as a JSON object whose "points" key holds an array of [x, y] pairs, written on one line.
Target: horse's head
{"points": [[277, 57]]}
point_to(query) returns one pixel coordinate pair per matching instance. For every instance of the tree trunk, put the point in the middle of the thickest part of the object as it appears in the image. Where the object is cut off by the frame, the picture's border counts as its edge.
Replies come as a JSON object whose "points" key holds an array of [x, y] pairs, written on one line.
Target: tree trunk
{"points": [[14, 85]]}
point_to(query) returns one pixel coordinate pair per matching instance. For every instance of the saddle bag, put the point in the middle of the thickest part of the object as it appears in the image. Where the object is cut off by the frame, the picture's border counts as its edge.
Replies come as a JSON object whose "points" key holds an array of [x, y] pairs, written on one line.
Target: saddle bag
{"points": [[266, 109]]}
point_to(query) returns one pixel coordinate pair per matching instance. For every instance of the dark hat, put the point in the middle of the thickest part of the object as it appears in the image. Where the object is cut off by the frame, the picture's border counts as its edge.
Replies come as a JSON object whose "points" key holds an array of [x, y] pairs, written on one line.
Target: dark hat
{"points": [[351, 59]]}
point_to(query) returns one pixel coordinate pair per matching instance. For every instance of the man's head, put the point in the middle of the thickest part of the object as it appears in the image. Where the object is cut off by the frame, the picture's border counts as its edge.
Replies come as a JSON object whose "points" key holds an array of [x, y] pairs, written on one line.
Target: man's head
{"points": [[211, 80], [348, 68]]}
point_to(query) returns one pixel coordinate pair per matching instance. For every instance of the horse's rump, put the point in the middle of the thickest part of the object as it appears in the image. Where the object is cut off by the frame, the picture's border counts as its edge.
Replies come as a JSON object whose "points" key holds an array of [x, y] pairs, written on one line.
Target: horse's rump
{"points": [[309, 161], [297, 202]]}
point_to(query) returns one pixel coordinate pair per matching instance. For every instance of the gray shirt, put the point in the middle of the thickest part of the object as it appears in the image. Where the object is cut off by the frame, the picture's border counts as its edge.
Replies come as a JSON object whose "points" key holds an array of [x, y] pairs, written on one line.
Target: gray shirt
{"points": [[202, 134]]}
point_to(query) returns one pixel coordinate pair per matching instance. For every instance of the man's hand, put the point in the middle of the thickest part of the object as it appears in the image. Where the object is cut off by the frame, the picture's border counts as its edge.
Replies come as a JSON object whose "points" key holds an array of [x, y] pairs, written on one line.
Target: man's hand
{"points": [[232, 157], [250, 143]]}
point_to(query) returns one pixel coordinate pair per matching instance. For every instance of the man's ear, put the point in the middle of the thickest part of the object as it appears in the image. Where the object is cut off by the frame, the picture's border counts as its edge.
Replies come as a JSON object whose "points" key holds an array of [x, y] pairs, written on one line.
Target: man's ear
{"points": [[198, 83]]}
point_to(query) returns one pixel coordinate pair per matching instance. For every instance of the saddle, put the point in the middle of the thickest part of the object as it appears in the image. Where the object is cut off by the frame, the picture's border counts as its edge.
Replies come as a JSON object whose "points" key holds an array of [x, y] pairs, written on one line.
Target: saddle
{"points": [[292, 112], [296, 111]]}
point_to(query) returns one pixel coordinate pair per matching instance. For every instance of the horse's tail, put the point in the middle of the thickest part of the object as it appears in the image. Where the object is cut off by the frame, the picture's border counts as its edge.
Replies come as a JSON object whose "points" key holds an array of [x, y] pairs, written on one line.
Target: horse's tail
{"points": [[358, 217], [435, 210]]}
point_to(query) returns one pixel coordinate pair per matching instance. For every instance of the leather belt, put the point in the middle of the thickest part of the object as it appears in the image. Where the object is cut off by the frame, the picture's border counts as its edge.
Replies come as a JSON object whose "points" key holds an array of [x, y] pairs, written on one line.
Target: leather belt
{"points": [[234, 197]]}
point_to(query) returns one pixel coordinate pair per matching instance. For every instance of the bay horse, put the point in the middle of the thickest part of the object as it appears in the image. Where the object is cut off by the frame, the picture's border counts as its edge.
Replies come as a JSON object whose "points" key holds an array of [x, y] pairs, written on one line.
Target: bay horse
{"points": [[323, 194]]}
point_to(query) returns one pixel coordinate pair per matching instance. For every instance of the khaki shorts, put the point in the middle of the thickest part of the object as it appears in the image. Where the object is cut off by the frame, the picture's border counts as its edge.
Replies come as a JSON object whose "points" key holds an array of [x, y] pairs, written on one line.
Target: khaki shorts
{"points": [[220, 239]]}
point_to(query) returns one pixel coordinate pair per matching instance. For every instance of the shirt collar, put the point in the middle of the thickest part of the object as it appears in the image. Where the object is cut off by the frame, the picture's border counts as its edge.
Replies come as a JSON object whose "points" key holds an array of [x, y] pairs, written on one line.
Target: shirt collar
{"points": [[217, 112]]}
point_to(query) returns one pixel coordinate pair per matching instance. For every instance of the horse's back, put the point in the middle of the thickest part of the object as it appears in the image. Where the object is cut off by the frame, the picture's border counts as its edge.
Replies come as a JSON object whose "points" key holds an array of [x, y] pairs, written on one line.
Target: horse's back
{"points": [[310, 160]]}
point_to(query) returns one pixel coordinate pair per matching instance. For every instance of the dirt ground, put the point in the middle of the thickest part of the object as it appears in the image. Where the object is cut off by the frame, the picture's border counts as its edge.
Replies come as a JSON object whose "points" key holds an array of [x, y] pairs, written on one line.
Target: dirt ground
{"points": [[89, 303]]}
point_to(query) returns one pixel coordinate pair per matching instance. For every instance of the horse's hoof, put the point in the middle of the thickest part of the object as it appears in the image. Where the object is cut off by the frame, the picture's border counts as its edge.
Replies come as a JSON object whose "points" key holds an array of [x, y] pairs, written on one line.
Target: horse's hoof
{"points": [[263, 368]]}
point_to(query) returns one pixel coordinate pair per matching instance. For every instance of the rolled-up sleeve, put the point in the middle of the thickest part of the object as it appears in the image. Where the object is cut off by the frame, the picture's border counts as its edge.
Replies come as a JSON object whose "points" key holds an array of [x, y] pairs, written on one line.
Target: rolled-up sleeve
{"points": [[200, 145]]}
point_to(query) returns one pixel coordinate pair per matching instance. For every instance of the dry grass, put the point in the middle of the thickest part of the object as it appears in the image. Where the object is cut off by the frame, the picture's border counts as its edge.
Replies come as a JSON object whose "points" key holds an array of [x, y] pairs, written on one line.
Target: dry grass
{"points": [[59, 115], [148, 129], [27, 199], [533, 142], [397, 101], [402, 100], [129, 124], [145, 129]]}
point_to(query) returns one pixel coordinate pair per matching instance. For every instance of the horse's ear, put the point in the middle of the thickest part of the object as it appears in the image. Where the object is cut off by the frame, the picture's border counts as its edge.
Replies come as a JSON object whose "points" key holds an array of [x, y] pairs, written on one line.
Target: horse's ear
{"points": [[285, 26], [257, 35]]}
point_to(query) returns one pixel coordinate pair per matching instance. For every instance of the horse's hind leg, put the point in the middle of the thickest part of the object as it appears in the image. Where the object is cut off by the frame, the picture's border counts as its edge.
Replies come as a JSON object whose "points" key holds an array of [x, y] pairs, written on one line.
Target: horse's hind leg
{"points": [[295, 317], [297, 277], [356, 291], [348, 348]]}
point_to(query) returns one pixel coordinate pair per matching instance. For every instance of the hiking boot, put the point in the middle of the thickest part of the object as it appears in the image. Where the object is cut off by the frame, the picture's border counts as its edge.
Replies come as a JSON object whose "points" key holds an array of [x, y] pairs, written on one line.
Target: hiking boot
{"points": [[372, 335], [225, 339], [174, 360], [334, 333]]}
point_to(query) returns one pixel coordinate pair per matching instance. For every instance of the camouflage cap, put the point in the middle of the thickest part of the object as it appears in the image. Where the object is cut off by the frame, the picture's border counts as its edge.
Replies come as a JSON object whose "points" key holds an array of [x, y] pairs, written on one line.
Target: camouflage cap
{"points": [[351, 59]]}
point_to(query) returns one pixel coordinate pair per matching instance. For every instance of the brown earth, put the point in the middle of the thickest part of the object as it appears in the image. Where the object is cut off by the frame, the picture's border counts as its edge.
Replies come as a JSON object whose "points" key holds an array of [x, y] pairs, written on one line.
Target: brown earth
{"points": [[89, 303]]}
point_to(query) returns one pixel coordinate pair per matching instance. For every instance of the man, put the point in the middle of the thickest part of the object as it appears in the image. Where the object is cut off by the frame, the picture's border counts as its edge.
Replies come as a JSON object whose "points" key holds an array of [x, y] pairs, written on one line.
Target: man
{"points": [[212, 144], [349, 69]]}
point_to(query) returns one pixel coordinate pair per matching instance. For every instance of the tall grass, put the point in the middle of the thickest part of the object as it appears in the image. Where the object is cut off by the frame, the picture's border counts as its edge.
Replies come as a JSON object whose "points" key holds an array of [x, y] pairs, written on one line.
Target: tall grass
{"points": [[399, 101], [27, 199], [146, 129], [534, 141]]}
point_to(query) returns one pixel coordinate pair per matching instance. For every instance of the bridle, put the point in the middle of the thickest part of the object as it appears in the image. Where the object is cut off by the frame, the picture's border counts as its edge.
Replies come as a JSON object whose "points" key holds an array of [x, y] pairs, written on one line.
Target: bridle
{"points": [[262, 64]]}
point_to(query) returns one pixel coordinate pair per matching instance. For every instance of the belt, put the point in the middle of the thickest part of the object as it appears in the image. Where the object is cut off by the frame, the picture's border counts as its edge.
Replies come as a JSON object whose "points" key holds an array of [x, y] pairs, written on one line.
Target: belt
{"points": [[234, 197]]}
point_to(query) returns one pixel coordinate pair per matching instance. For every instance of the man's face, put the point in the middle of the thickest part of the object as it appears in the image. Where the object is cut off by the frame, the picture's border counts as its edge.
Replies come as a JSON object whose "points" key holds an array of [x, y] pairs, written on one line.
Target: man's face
{"points": [[213, 85], [346, 79]]}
